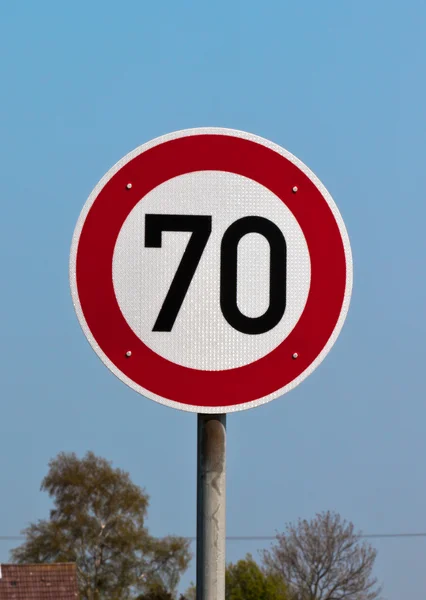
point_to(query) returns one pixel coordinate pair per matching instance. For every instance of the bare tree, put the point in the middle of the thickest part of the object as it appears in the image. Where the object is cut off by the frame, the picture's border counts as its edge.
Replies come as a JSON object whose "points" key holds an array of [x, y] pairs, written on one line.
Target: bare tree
{"points": [[324, 559]]}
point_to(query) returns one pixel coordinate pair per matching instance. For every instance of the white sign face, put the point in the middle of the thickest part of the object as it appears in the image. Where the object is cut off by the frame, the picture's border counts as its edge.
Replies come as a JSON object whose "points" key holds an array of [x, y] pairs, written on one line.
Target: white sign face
{"points": [[210, 270], [201, 337]]}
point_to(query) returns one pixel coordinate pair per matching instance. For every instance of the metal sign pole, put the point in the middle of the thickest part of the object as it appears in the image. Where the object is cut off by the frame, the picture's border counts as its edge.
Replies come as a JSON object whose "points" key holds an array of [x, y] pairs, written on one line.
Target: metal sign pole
{"points": [[211, 504]]}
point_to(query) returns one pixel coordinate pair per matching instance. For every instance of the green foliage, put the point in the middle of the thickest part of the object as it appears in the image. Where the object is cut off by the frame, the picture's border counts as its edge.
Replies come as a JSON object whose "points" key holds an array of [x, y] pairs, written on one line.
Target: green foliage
{"points": [[245, 580], [156, 593], [98, 522], [191, 593]]}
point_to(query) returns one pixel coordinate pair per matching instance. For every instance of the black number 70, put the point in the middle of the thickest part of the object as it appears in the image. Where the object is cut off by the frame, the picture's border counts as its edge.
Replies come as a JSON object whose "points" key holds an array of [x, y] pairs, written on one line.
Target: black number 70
{"points": [[201, 227]]}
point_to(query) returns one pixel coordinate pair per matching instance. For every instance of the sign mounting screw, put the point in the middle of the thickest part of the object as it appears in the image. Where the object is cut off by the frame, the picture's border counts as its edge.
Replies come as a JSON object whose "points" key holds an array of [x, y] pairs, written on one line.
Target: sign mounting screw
{"points": [[129, 353], [129, 186], [295, 355], [295, 189]]}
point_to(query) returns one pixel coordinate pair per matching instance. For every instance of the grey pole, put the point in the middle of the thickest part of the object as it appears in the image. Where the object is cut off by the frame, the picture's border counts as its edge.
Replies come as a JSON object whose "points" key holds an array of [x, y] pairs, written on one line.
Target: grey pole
{"points": [[211, 475]]}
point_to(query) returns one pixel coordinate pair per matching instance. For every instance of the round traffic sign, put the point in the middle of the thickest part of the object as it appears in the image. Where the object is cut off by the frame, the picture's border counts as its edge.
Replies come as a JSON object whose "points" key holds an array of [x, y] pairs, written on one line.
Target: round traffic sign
{"points": [[211, 270]]}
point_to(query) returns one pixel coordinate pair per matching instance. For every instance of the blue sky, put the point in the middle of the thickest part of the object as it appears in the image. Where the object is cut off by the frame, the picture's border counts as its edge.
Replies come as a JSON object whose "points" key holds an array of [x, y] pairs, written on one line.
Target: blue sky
{"points": [[339, 84]]}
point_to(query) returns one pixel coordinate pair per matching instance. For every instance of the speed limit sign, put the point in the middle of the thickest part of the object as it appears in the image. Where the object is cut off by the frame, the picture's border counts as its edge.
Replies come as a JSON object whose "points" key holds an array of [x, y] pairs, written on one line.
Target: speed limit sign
{"points": [[211, 270]]}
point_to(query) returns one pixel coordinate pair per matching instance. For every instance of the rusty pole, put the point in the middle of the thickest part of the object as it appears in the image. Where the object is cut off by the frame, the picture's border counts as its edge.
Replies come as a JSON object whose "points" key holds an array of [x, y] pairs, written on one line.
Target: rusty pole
{"points": [[211, 475]]}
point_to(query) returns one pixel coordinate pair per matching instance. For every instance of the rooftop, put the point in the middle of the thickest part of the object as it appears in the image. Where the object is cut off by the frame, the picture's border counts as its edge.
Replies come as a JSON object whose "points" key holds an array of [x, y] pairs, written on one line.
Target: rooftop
{"points": [[54, 581]]}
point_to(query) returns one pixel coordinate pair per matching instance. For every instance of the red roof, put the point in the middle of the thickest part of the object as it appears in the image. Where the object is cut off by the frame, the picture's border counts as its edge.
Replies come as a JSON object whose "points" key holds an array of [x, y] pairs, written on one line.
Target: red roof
{"points": [[55, 581]]}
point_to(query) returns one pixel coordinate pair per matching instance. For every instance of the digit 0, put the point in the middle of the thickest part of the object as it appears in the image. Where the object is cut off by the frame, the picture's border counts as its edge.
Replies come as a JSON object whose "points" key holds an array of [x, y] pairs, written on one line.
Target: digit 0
{"points": [[229, 275]]}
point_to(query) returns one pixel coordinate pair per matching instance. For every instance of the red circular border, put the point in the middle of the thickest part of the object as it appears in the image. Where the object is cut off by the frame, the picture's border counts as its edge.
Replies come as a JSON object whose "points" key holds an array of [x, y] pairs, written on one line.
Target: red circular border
{"points": [[95, 285]]}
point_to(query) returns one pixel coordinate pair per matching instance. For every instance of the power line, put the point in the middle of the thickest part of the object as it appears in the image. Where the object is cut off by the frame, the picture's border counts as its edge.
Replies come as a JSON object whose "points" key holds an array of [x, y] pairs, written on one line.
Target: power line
{"points": [[268, 538], [392, 535], [260, 538]]}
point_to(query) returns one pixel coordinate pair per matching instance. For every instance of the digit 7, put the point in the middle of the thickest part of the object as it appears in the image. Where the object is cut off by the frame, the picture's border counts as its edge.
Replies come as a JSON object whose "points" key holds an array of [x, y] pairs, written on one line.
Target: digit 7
{"points": [[201, 227]]}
